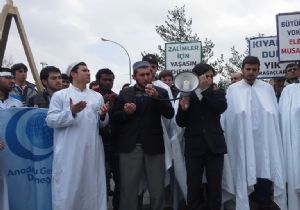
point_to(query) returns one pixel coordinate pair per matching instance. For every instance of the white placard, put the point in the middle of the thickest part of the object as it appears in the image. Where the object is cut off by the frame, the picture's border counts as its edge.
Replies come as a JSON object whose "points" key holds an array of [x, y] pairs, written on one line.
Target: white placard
{"points": [[266, 49], [182, 56], [288, 32]]}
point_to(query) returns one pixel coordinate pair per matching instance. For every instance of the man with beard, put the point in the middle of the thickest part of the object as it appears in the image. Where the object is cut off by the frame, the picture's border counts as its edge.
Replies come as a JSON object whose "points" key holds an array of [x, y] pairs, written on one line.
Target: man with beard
{"points": [[6, 102], [138, 111], [251, 125], [105, 79], [52, 81]]}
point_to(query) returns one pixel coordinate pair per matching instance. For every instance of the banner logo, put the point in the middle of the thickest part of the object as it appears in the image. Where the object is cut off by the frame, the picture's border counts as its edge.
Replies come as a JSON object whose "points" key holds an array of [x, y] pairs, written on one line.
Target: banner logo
{"points": [[36, 131]]}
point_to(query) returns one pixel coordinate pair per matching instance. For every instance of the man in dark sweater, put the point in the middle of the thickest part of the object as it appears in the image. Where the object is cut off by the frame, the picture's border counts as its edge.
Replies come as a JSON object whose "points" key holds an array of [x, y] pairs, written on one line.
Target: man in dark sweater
{"points": [[138, 111]]}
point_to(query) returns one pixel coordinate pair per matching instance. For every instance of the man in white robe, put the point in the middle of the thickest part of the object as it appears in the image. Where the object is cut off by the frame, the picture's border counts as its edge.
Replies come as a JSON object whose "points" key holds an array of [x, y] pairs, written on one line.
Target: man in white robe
{"points": [[252, 133], [6, 102], [78, 179], [289, 106]]}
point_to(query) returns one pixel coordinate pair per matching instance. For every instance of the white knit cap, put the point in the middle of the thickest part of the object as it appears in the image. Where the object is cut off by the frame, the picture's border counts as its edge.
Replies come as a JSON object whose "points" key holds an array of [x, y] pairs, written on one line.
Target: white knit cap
{"points": [[71, 66]]}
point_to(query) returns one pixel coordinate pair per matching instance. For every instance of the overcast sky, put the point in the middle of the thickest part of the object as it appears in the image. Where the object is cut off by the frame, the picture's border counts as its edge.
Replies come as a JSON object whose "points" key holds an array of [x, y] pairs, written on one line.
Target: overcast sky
{"points": [[63, 31]]}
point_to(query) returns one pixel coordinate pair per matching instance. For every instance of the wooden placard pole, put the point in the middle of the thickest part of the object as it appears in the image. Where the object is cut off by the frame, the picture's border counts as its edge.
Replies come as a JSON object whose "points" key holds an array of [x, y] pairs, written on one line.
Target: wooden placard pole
{"points": [[9, 11]]}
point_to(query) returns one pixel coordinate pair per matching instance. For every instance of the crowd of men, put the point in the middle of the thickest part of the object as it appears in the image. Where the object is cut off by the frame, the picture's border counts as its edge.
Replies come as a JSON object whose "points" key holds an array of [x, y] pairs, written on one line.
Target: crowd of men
{"points": [[234, 143]]}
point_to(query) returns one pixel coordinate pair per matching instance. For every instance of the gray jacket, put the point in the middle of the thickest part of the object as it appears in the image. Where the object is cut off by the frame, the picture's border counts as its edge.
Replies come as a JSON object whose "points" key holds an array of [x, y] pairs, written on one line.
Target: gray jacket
{"points": [[23, 94]]}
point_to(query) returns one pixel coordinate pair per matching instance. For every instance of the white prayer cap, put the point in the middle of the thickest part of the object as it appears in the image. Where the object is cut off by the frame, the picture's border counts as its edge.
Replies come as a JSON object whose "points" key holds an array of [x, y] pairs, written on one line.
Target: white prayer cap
{"points": [[71, 66], [5, 73]]}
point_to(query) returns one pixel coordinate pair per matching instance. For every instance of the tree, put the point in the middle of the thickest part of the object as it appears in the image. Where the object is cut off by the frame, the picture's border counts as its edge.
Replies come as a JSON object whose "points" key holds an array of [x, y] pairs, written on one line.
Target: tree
{"points": [[178, 28], [7, 62], [234, 63]]}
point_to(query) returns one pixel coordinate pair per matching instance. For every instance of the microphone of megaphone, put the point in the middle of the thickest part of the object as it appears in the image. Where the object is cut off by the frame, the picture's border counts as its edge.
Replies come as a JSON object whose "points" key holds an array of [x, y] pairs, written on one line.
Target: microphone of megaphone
{"points": [[186, 82]]}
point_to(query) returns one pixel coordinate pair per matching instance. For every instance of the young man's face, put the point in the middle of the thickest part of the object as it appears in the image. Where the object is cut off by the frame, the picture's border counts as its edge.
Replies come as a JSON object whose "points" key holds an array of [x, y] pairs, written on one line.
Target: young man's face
{"points": [[143, 77], [82, 75], [167, 80], [54, 81], [250, 73], [235, 77], [6, 83], [65, 83], [20, 75], [106, 81], [95, 87], [292, 72], [209, 75]]}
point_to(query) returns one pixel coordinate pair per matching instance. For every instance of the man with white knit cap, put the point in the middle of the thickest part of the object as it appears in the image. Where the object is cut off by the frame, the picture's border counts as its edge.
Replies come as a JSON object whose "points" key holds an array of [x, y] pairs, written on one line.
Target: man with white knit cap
{"points": [[78, 178]]}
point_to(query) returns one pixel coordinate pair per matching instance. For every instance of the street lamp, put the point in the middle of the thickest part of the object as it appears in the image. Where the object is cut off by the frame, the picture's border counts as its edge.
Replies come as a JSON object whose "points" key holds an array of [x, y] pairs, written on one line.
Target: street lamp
{"points": [[44, 64], [107, 40]]}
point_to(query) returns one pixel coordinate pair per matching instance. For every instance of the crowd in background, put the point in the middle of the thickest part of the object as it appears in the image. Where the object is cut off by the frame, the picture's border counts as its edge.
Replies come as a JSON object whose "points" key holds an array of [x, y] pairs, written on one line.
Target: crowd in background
{"points": [[135, 126]]}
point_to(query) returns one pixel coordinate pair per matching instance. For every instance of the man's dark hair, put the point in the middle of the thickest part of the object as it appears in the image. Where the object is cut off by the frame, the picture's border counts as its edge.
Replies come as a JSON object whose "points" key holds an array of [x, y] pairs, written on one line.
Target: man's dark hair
{"points": [[47, 70], [104, 71], [202, 68], [151, 58], [75, 69], [250, 60], [93, 83], [18, 66], [65, 77], [165, 73], [125, 85], [291, 65]]}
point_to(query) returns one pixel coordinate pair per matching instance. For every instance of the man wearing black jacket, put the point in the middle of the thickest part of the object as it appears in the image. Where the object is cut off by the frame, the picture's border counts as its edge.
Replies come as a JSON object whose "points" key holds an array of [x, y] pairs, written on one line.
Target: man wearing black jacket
{"points": [[204, 140], [105, 80], [138, 111]]}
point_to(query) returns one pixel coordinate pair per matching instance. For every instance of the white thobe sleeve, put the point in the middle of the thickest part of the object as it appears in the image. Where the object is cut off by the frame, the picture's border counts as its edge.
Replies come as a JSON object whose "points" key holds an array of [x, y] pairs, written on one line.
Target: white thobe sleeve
{"points": [[58, 116]]}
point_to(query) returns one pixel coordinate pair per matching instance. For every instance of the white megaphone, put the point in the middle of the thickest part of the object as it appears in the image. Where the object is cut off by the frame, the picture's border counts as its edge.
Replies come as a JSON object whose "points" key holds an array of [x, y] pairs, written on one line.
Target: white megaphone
{"points": [[186, 82]]}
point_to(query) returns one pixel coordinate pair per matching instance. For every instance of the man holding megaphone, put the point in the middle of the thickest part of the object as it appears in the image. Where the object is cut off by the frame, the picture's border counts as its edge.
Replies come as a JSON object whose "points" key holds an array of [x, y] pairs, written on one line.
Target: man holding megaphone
{"points": [[205, 145]]}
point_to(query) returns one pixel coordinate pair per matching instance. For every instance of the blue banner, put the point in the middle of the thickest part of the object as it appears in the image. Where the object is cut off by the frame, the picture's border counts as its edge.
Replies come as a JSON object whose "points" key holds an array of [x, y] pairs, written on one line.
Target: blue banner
{"points": [[27, 157]]}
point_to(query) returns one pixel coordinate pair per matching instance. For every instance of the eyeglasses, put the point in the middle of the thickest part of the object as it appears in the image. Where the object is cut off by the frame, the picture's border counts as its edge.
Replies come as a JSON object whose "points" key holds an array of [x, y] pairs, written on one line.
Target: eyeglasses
{"points": [[292, 69]]}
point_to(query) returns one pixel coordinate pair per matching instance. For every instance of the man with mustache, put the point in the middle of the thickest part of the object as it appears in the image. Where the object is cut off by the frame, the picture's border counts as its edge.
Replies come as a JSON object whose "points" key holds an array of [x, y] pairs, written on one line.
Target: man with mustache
{"points": [[252, 134], [138, 111]]}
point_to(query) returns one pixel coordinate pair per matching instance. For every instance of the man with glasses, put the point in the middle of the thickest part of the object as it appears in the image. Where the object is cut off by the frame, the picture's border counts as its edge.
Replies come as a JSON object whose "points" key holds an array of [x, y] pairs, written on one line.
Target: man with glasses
{"points": [[23, 90], [291, 74], [289, 106], [6, 102]]}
